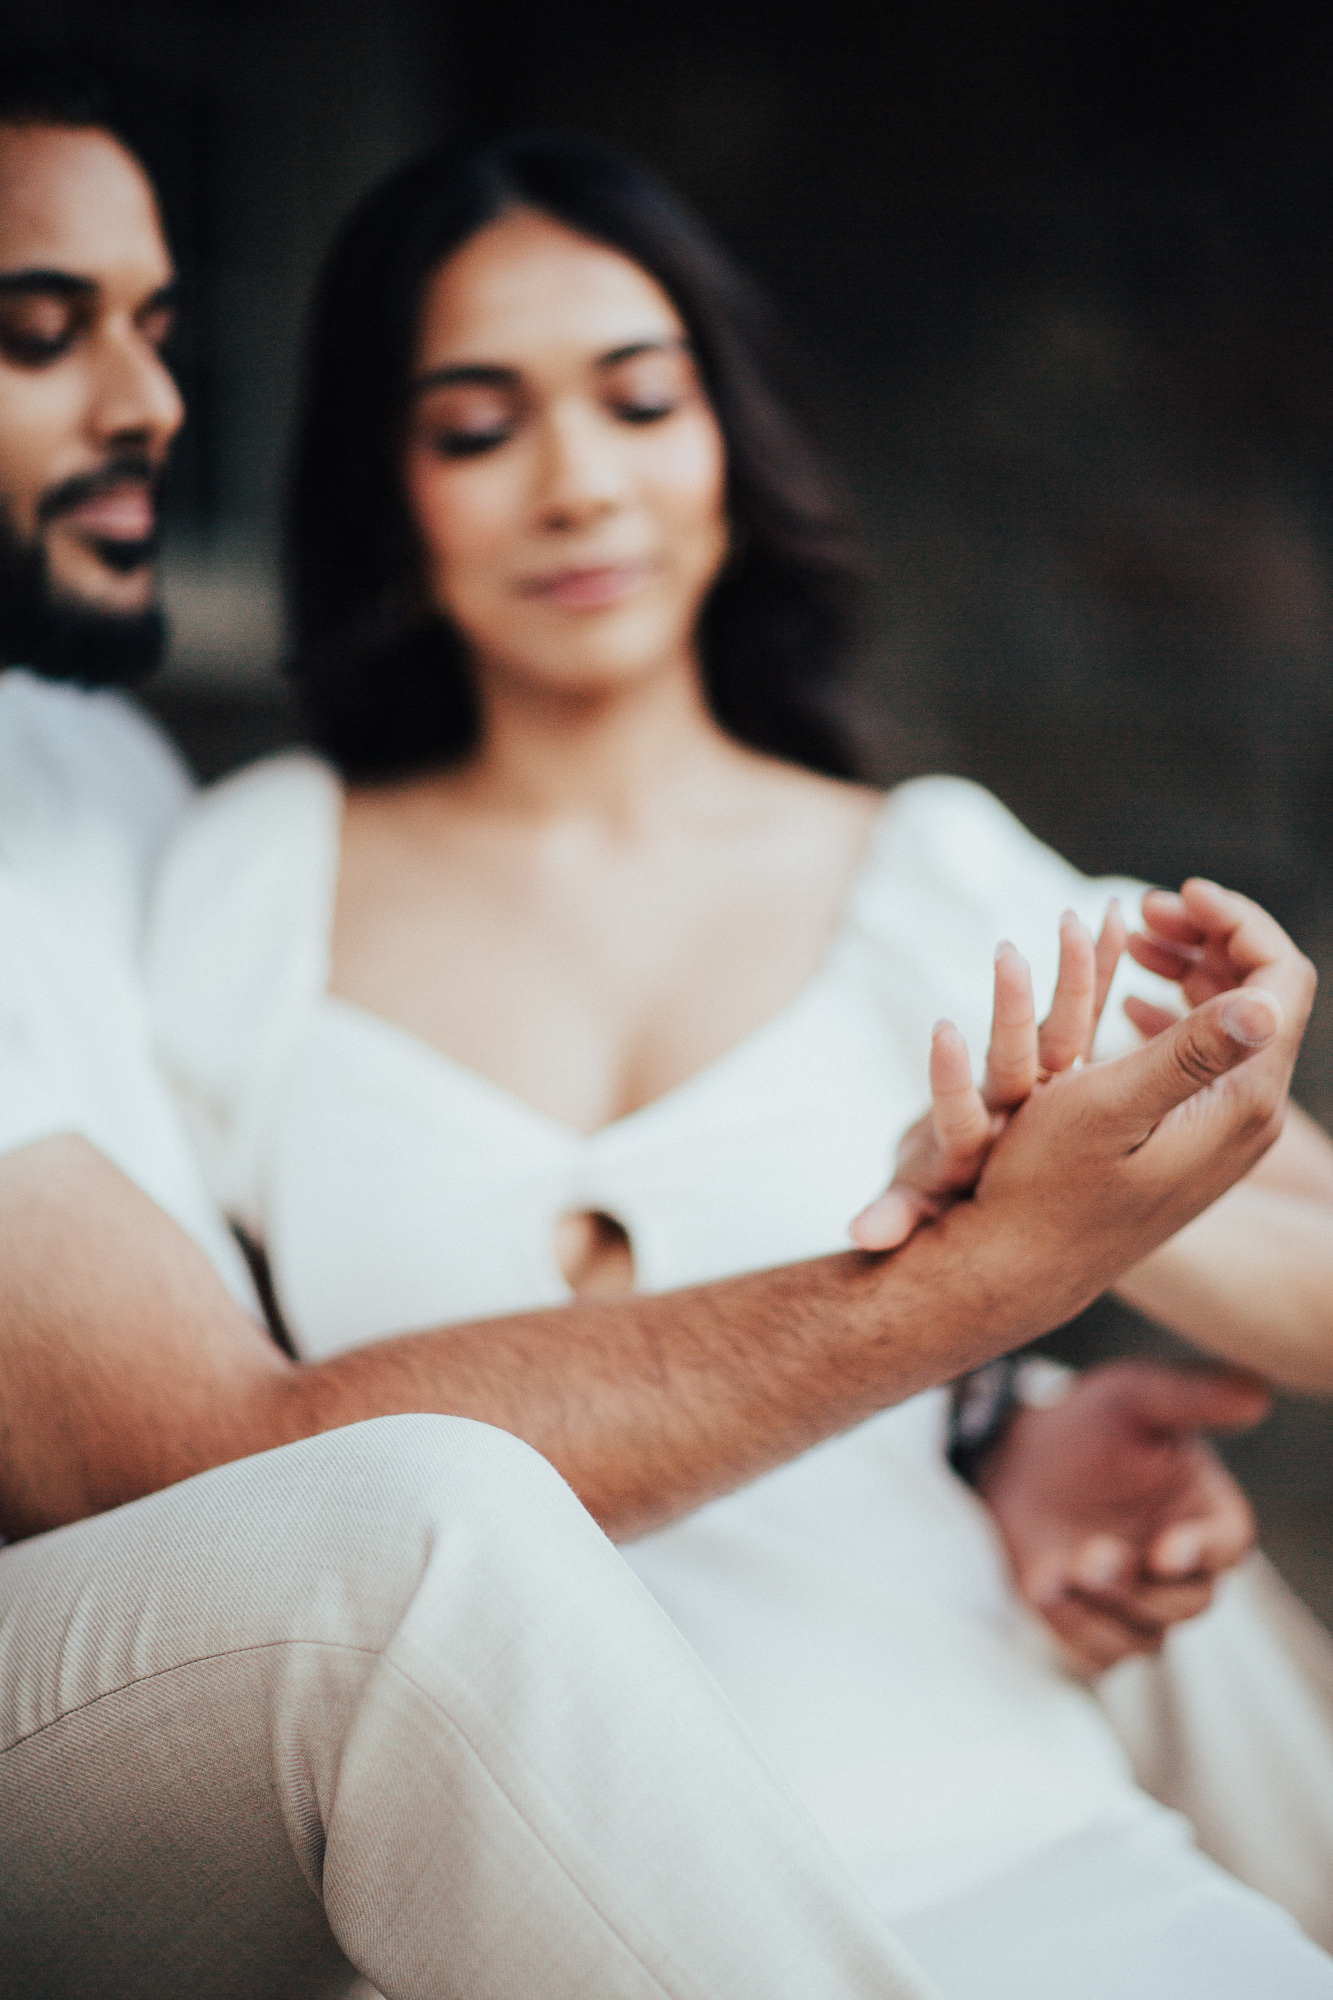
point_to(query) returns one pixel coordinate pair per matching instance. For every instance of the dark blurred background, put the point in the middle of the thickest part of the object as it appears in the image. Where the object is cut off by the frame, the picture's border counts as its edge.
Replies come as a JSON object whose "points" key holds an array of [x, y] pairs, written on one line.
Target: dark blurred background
{"points": [[1063, 277]]}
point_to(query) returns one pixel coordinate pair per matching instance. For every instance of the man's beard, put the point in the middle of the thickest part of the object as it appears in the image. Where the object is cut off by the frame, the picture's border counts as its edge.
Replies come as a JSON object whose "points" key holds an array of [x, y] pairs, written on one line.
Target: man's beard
{"points": [[63, 636]]}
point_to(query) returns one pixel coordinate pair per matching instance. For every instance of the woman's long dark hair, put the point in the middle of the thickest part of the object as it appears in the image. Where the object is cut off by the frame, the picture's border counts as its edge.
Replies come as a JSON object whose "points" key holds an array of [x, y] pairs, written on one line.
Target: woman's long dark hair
{"points": [[384, 678]]}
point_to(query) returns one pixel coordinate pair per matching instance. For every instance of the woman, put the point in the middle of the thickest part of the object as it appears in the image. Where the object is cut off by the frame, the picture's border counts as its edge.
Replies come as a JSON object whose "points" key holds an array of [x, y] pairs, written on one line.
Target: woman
{"points": [[584, 962]]}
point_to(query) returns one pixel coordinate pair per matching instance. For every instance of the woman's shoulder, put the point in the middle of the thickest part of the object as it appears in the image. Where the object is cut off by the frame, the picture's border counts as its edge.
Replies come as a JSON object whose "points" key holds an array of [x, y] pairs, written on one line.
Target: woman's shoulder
{"points": [[243, 903], [260, 837], [286, 793], [238, 948], [950, 837]]}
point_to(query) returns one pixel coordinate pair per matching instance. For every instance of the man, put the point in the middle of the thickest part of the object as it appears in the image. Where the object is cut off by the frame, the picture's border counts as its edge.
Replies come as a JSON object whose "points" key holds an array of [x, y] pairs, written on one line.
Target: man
{"points": [[381, 1696]]}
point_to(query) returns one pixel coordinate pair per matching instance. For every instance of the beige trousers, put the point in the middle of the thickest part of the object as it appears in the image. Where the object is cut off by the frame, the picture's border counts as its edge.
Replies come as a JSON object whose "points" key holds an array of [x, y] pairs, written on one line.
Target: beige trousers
{"points": [[387, 1702]]}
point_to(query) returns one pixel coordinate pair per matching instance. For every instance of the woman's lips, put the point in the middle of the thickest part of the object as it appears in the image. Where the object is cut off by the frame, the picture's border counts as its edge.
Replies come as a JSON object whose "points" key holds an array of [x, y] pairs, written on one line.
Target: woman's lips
{"points": [[586, 589], [125, 514]]}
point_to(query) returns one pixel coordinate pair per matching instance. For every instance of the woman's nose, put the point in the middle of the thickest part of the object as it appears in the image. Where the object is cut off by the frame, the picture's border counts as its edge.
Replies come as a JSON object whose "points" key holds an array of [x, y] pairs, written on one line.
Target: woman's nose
{"points": [[583, 469]]}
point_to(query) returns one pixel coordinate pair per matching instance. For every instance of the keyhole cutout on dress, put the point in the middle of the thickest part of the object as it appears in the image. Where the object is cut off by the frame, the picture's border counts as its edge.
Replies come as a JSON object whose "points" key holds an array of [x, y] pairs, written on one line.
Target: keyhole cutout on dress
{"points": [[595, 1256]]}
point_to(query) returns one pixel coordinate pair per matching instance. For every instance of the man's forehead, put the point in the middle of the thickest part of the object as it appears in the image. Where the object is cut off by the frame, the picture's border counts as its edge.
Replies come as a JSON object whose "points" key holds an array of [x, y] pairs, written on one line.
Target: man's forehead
{"points": [[76, 201]]}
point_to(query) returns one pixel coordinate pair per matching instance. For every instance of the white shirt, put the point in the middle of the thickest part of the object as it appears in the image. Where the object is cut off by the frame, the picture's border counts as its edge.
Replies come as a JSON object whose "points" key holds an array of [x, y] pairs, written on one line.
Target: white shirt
{"points": [[854, 1604], [89, 789]]}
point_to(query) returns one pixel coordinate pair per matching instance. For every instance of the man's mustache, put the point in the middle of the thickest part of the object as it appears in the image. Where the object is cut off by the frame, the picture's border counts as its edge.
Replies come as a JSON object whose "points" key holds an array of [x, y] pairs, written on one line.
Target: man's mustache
{"points": [[127, 469]]}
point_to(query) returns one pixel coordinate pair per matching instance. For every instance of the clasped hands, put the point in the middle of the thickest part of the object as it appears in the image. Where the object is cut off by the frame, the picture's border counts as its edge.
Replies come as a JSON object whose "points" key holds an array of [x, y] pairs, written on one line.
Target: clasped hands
{"points": [[1117, 1516]]}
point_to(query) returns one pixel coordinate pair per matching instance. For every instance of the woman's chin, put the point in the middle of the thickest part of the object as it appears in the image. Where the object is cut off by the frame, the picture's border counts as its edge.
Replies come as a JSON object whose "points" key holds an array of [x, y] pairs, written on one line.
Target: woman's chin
{"points": [[605, 657]]}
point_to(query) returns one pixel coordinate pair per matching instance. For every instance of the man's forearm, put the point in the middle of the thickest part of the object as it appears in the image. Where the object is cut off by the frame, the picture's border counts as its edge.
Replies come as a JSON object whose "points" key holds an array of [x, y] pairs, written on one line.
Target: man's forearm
{"points": [[125, 1366], [650, 1407]]}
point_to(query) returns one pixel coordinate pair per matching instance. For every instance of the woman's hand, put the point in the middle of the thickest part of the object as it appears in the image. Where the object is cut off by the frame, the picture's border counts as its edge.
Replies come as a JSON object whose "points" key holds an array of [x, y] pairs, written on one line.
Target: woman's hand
{"points": [[1117, 1516], [941, 1157], [1207, 939]]}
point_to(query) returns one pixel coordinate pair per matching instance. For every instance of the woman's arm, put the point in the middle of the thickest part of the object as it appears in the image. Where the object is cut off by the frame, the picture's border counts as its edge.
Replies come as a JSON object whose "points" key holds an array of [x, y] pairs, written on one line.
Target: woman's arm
{"points": [[1251, 1280]]}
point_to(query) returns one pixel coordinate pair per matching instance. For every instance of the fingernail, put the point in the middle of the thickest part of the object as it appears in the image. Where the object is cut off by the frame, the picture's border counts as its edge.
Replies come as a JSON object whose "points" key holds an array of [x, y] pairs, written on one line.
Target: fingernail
{"points": [[1180, 1552], [1251, 1017], [1004, 947], [1099, 1565]]}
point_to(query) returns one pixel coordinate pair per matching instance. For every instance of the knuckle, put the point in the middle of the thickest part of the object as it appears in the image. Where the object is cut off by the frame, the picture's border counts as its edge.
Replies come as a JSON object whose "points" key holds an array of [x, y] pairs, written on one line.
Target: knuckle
{"points": [[1194, 1059]]}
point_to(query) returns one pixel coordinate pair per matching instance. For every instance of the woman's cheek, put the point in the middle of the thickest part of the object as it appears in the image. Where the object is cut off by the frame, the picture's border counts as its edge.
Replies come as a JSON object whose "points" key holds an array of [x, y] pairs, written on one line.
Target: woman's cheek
{"points": [[689, 479], [464, 529]]}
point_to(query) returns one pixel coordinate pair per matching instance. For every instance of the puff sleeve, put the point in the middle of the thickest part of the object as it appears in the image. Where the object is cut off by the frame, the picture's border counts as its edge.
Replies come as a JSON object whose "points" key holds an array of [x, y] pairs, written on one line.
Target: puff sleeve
{"points": [[238, 950]]}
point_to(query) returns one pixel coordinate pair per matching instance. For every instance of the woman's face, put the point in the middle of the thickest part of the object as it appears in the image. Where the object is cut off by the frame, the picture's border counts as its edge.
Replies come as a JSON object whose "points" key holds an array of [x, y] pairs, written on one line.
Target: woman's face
{"points": [[563, 466]]}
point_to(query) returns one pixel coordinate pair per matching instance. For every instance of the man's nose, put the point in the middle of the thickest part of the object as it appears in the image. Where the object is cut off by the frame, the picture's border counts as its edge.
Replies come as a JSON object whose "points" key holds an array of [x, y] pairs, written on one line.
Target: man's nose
{"points": [[583, 470], [133, 395]]}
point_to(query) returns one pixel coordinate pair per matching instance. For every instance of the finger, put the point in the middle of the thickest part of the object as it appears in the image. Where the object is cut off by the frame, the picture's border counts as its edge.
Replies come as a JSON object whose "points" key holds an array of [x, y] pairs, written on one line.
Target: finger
{"points": [[1111, 942], [1251, 938], [1154, 1607], [1011, 1060], [1157, 1397], [1138, 1090], [1096, 1637], [1221, 1532], [1166, 917], [892, 1218], [1168, 961], [963, 1124], [1150, 1020], [1103, 1563], [965, 1129], [1066, 1032]]}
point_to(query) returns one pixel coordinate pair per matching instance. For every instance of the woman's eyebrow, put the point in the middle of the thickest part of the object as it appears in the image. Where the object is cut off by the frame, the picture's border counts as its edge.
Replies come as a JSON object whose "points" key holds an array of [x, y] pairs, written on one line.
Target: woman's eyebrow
{"points": [[675, 343], [477, 373]]}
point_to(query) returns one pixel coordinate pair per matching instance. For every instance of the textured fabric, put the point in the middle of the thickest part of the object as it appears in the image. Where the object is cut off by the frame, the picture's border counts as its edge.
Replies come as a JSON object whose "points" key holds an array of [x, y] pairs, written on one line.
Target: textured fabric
{"points": [[387, 1701], [1232, 1725], [1120, 1913]]}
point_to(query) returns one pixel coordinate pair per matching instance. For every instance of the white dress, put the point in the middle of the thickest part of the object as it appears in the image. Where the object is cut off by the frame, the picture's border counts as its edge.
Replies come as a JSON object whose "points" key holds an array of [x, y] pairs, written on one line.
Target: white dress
{"points": [[854, 1604]]}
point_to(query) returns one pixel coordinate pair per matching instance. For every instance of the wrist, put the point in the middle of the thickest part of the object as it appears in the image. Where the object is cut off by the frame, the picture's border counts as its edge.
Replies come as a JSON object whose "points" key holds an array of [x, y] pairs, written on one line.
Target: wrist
{"points": [[985, 1401]]}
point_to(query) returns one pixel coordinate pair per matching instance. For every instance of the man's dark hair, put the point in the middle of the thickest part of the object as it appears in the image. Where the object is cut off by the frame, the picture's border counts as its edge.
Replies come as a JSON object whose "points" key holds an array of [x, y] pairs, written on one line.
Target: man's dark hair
{"points": [[384, 677], [41, 88]]}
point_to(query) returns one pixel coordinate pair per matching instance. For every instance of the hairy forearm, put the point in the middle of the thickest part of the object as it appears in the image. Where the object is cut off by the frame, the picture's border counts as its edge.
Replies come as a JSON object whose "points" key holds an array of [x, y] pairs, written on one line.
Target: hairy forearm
{"points": [[650, 1407], [124, 1366]]}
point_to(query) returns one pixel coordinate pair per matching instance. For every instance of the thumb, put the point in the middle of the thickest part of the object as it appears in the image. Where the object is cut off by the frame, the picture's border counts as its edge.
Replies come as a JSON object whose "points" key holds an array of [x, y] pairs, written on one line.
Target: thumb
{"points": [[1192, 1053]]}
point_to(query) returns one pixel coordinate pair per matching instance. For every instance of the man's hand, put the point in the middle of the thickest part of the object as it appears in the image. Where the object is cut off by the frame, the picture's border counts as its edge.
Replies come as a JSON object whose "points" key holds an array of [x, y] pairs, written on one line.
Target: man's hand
{"points": [[1118, 1518], [941, 1157]]}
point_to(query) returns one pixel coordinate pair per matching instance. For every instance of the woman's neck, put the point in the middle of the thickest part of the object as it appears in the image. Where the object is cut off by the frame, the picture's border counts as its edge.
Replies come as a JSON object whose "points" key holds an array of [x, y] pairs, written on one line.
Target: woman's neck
{"points": [[613, 756]]}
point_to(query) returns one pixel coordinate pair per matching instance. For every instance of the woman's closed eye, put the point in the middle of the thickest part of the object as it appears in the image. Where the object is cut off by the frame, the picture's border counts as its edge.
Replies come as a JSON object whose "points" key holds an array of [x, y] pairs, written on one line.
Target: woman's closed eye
{"points": [[651, 385], [466, 420]]}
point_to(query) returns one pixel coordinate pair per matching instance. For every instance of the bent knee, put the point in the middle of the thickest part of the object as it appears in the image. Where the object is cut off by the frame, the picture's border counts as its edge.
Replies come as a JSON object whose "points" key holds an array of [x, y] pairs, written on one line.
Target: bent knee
{"points": [[411, 1477]]}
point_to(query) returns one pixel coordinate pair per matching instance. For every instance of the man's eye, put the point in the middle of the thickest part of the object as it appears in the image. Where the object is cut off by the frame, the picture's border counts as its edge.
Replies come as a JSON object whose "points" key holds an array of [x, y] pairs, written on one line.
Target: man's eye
{"points": [[33, 335], [158, 326], [30, 351]]}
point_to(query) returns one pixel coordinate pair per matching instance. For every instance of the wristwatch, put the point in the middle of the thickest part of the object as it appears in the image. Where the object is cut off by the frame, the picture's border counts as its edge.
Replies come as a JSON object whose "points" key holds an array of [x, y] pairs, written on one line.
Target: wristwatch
{"points": [[984, 1401]]}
